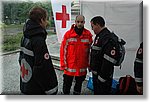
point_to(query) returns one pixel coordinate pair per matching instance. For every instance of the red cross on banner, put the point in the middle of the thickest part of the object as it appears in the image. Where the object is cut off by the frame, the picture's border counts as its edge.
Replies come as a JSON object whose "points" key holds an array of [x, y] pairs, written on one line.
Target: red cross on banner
{"points": [[24, 71], [63, 16]]}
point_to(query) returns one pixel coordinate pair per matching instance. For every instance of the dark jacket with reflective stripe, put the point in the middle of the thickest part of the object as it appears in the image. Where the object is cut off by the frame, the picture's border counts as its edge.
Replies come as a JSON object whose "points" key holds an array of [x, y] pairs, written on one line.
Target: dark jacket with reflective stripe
{"points": [[37, 72], [102, 59], [138, 66]]}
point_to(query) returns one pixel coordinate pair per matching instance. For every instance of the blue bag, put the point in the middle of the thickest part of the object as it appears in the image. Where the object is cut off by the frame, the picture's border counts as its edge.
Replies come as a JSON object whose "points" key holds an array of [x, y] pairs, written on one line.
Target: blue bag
{"points": [[114, 86], [90, 83]]}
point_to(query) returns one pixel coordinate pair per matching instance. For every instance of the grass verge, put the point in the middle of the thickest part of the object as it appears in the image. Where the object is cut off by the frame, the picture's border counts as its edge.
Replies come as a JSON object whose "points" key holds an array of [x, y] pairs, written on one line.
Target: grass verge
{"points": [[12, 42]]}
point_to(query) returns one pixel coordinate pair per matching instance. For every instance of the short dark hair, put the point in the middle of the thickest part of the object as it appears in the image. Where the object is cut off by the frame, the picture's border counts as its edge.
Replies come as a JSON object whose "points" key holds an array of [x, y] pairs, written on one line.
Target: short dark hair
{"points": [[98, 20], [37, 13]]}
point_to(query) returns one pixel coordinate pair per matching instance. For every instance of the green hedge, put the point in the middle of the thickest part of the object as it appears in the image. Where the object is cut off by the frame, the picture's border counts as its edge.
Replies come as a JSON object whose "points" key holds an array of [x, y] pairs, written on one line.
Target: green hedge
{"points": [[11, 42]]}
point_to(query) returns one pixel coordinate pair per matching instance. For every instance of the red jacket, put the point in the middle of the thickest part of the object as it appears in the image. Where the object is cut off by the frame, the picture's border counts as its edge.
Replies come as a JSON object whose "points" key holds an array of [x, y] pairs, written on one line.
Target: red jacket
{"points": [[74, 52]]}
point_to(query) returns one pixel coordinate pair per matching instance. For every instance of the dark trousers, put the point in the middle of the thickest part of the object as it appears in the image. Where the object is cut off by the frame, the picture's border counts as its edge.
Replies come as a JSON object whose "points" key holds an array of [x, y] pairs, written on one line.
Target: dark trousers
{"points": [[67, 83], [101, 88]]}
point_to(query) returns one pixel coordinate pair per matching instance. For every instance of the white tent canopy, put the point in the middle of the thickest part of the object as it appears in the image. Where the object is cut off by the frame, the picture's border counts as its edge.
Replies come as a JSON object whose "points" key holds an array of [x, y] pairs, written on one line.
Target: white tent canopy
{"points": [[123, 18]]}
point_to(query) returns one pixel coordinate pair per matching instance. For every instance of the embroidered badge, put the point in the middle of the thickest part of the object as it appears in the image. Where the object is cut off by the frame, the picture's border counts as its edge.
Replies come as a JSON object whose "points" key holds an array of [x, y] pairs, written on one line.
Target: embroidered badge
{"points": [[140, 51], [96, 40], [46, 56], [25, 71], [113, 52]]}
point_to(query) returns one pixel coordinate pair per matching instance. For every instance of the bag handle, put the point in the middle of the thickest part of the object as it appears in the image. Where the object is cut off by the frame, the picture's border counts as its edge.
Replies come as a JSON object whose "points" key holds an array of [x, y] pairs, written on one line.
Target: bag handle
{"points": [[128, 77], [127, 83]]}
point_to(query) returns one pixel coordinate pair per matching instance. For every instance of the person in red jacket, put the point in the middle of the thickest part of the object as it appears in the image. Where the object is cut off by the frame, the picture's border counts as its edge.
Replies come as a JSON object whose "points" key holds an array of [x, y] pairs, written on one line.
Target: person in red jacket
{"points": [[74, 55]]}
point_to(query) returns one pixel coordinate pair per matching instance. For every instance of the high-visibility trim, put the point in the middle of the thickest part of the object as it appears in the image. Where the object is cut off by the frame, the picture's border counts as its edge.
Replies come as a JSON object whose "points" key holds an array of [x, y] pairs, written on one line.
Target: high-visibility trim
{"points": [[74, 70], [83, 70], [101, 79], [94, 72], [65, 52], [26, 51], [52, 90], [26, 41], [96, 48], [71, 70], [138, 60], [65, 48], [110, 59], [139, 79], [72, 39], [76, 93], [85, 40]]}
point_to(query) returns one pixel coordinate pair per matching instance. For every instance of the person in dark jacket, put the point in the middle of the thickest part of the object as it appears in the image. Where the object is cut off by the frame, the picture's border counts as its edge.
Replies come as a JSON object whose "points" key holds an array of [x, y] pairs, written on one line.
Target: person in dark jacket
{"points": [[102, 58], [37, 74], [138, 69]]}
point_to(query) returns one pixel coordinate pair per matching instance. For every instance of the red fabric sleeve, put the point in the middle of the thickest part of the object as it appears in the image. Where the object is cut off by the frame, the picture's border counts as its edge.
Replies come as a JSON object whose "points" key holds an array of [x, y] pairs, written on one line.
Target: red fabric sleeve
{"points": [[63, 53]]}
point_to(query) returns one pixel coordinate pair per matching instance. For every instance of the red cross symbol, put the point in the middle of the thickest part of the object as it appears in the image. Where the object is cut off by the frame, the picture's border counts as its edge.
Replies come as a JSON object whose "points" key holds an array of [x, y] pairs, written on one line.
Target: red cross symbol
{"points": [[63, 16], [24, 71]]}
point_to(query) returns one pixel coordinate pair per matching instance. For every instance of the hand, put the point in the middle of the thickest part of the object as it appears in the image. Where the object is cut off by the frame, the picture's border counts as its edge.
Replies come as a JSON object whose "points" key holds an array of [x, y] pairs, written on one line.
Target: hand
{"points": [[139, 89], [62, 68], [89, 70]]}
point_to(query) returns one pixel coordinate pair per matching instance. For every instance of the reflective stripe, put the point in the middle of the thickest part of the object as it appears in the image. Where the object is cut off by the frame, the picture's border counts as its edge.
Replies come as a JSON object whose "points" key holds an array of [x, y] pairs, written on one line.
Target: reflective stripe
{"points": [[26, 51], [138, 60], [139, 79], [112, 60], [52, 90], [65, 48], [85, 40], [72, 39], [65, 53], [71, 70], [26, 41], [74, 70], [94, 72], [96, 48], [83, 70], [76, 93], [101, 79]]}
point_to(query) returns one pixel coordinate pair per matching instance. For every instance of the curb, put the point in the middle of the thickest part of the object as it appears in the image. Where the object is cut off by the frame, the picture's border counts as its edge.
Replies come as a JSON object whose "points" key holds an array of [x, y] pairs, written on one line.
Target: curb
{"points": [[10, 52]]}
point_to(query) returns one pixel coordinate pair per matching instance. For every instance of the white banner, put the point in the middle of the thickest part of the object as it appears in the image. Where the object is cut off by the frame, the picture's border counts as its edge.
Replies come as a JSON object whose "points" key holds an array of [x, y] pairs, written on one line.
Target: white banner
{"points": [[124, 19], [62, 16]]}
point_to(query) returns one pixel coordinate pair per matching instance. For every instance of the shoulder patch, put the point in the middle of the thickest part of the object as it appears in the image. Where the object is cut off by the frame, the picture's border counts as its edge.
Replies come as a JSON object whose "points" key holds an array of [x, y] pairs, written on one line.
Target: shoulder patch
{"points": [[96, 40], [140, 50], [46, 56], [113, 52]]}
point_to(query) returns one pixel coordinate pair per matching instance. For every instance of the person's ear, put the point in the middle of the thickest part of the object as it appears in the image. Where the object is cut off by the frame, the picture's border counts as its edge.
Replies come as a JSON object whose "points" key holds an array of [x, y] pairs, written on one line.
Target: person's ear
{"points": [[83, 22], [42, 20], [75, 21]]}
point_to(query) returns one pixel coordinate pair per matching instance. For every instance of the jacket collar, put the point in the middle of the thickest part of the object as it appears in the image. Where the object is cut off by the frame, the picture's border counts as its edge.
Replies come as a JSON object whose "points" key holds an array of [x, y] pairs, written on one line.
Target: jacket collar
{"points": [[32, 28], [73, 33], [103, 32]]}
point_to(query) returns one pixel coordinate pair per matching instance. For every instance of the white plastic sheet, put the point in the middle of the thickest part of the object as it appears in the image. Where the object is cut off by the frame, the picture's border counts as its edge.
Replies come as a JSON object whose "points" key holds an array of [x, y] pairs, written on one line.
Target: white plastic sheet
{"points": [[122, 17]]}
